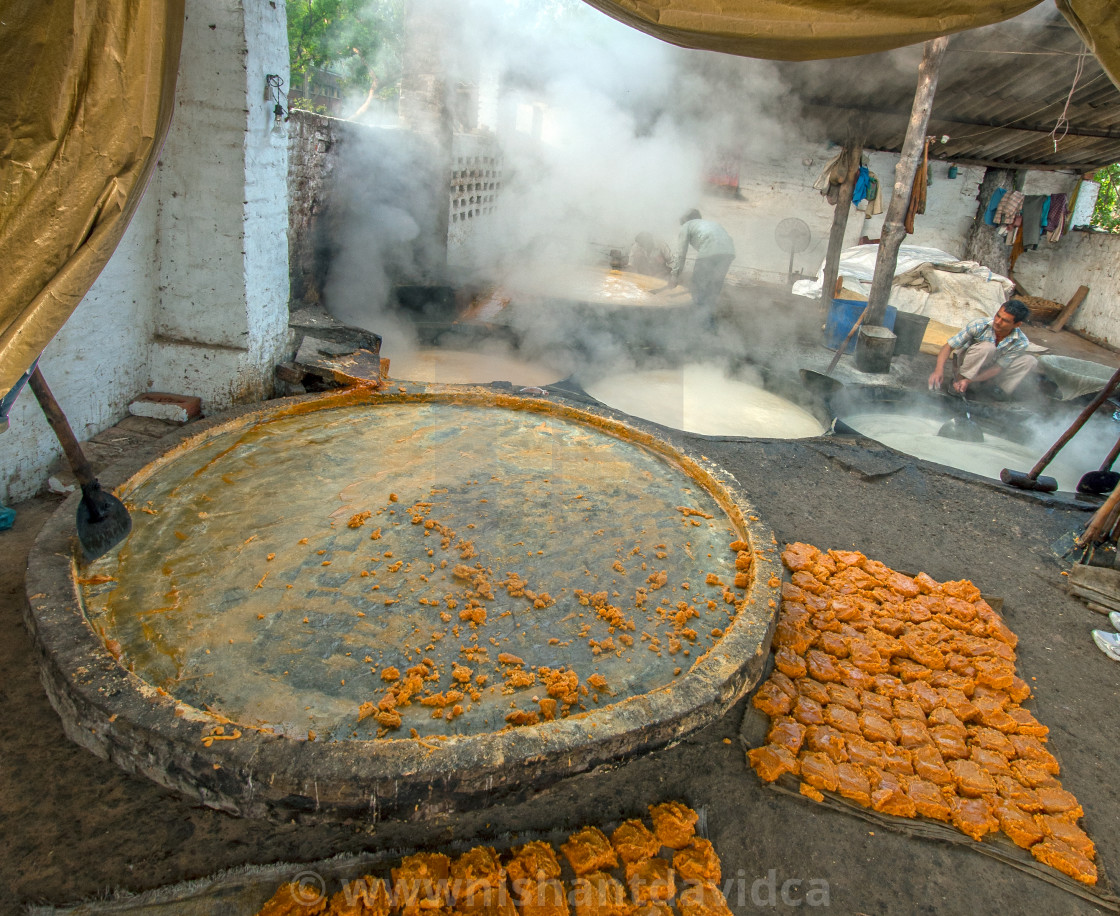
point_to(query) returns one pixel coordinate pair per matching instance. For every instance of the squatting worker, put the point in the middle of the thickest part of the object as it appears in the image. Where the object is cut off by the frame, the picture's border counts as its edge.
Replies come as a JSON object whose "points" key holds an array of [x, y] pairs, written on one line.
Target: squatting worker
{"points": [[714, 253], [992, 350], [650, 256]]}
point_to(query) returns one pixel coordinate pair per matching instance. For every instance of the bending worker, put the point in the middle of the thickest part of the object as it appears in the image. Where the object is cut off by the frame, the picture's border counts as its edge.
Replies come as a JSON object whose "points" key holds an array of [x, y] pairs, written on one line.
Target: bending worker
{"points": [[714, 253], [988, 350]]}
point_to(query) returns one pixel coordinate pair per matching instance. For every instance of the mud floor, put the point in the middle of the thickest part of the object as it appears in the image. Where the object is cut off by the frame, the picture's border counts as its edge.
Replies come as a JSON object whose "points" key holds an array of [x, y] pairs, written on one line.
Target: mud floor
{"points": [[75, 826]]}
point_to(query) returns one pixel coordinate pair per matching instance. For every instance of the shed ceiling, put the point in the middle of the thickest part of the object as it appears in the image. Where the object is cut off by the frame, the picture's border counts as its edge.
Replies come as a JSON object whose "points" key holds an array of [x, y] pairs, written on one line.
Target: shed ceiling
{"points": [[1003, 98]]}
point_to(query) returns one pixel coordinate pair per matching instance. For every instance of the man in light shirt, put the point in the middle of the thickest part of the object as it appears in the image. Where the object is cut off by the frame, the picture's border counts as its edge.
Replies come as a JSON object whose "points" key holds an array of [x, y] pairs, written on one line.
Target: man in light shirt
{"points": [[714, 253], [988, 350]]}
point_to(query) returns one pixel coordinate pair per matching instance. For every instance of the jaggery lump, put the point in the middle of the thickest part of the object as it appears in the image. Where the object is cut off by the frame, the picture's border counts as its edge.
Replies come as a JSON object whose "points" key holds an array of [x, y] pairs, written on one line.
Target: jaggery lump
{"points": [[421, 882], [475, 876], [1065, 859], [535, 861], [546, 897], [650, 879], [770, 761], [698, 862], [674, 823], [634, 841], [588, 850], [599, 894], [703, 900], [288, 901]]}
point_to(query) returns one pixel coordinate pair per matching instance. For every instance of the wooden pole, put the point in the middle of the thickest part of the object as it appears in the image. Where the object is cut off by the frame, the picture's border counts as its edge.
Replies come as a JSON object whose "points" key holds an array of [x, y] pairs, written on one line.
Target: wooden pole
{"points": [[853, 149], [894, 229], [1097, 523]]}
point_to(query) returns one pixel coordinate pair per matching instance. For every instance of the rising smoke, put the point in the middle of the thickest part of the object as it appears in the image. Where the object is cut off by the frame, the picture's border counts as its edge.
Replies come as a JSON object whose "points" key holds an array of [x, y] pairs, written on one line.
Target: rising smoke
{"points": [[603, 132]]}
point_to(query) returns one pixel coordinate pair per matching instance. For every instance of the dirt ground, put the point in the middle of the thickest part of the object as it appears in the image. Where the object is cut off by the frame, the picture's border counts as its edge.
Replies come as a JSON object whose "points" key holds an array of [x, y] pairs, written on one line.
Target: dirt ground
{"points": [[76, 827]]}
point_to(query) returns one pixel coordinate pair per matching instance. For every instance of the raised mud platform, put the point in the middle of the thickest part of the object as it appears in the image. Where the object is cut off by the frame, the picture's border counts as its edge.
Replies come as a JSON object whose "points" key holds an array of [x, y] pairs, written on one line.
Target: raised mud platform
{"points": [[366, 606]]}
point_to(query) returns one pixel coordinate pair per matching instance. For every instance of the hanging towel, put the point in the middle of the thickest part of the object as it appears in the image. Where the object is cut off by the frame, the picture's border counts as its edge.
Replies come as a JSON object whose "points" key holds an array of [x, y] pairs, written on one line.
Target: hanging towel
{"points": [[1032, 219], [918, 191], [990, 213], [1009, 207], [1055, 219], [863, 181], [1045, 213]]}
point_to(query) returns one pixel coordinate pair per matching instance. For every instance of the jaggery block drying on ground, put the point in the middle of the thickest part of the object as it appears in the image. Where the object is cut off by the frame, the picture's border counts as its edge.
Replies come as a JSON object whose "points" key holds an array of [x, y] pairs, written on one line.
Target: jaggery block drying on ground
{"points": [[475, 883], [674, 823], [478, 879], [533, 862], [703, 900], [599, 894], [421, 883], [634, 841], [365, 896], [588, 850], [900, 694]]}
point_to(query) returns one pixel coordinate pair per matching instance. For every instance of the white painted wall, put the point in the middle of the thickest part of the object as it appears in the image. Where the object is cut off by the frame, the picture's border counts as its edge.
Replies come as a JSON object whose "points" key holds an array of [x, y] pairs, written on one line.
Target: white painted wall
{"points": [[195, 299], [782, 187], [223, 309], [95, 365], [1080, 258]]}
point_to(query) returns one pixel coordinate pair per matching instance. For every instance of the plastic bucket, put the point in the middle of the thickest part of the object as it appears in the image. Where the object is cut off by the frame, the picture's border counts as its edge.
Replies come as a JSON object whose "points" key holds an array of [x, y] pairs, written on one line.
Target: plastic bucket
{"points": [[909, 329], [875, 349], [842, 315]]}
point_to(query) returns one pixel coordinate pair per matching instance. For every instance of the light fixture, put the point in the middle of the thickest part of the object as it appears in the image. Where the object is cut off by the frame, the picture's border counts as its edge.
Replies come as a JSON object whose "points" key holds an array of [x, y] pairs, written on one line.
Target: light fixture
{"points": [[272, 91]]}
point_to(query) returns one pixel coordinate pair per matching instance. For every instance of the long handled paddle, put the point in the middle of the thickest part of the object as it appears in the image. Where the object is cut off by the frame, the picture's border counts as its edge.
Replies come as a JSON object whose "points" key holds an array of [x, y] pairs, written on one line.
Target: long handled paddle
{"points": [[103, 521]]}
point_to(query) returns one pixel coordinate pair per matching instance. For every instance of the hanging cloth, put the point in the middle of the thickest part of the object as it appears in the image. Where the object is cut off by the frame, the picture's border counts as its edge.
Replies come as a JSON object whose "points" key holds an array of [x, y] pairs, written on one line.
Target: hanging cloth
{"points": [[918, 191], [1009, 208], [1032, 220], [1055, 220], [863, 182], [993, 205]]}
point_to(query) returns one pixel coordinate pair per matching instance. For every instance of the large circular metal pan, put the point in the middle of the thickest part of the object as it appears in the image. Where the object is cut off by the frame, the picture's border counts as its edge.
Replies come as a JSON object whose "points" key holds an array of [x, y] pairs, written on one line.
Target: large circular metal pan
{"points": [[224, 656]]}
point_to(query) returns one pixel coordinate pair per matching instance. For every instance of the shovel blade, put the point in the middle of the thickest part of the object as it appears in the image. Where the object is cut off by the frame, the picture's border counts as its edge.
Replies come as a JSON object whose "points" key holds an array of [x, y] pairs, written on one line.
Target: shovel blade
{"points": [[103, 522], [962, 430]]}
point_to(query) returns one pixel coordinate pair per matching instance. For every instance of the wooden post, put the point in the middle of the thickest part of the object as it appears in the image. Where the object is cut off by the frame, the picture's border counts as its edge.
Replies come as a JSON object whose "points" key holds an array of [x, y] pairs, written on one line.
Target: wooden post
{"points": [[853, 148], [1070, 307], [894, 229]]}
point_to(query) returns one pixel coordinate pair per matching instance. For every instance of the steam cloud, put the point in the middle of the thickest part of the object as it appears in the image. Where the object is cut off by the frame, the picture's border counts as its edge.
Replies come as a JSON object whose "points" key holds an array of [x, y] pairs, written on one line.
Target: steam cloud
{"points": [[603, 131]]}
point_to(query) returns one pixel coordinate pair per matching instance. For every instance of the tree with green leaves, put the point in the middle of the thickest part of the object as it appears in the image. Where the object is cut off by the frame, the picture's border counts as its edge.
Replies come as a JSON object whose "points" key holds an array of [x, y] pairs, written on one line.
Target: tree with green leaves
{"points": [[1106, 214], [360, 40]]}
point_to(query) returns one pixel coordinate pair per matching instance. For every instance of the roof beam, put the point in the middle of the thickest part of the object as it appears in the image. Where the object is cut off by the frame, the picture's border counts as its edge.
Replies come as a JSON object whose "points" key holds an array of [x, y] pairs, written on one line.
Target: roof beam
{"points": [[987, 125]]}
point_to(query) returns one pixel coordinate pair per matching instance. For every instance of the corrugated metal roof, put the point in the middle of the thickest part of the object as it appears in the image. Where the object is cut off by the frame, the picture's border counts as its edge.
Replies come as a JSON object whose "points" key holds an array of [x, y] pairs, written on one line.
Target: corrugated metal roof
{"points": [[1003, 98]]}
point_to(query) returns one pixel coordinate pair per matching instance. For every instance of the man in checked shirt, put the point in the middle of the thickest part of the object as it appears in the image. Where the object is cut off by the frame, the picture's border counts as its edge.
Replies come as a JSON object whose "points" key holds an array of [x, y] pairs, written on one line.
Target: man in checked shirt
{"points": [[991, 352]]}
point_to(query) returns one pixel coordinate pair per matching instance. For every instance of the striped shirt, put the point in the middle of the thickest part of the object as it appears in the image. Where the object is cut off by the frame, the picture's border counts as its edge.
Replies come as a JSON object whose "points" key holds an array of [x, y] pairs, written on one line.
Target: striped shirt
{"points": [[981, 330]]}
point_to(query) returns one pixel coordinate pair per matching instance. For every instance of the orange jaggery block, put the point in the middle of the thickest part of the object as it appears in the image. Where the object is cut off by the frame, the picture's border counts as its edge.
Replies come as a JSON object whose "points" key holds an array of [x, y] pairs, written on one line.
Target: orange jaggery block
{"points": [[533, 862], [787, 733], [1063, 829], [634, 841], [698, 862], [288, 901], [928, 799], [588, 850], [651, 880], [770, 761], [599, 894], [702, 900], [1065, 859], [546, 897], [421, 883], [674, 823], [972, 817], [1022, 829], [819, 771], [852, 783], [772, 700]]}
